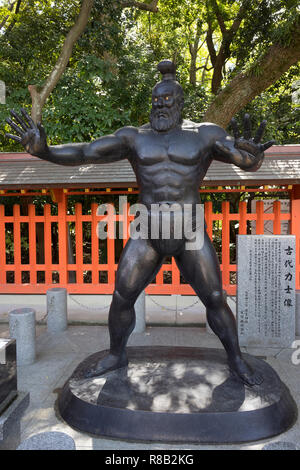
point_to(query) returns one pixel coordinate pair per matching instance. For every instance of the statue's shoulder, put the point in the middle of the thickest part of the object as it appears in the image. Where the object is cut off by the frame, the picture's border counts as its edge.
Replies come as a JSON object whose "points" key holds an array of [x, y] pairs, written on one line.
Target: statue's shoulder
{"points": [[145, 126], [127, 133], [186, 124], [205, 129]]}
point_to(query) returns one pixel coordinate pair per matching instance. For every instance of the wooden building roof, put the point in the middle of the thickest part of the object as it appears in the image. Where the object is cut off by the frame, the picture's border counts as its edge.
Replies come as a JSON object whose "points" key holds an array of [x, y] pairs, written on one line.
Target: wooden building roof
{"points": [[23, 171]]}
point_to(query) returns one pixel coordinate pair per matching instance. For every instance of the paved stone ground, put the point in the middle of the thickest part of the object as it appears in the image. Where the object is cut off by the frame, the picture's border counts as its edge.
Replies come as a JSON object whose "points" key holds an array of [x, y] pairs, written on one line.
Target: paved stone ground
{"points": [[59, 354]]}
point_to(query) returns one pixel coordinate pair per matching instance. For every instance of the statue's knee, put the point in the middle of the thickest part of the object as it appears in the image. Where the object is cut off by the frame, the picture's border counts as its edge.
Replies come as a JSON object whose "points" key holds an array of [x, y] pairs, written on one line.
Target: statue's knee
{"points": [[123, 298], [216, 299]]}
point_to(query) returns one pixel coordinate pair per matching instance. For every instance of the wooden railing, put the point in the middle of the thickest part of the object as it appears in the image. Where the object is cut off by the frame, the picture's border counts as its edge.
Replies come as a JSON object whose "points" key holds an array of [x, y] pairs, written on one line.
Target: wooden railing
{"points": [[85, 274]]}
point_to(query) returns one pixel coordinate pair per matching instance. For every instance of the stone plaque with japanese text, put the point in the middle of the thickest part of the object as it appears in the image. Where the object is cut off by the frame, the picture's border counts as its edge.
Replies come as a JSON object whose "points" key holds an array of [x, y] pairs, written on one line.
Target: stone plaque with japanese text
{"points": [[266, 290]]}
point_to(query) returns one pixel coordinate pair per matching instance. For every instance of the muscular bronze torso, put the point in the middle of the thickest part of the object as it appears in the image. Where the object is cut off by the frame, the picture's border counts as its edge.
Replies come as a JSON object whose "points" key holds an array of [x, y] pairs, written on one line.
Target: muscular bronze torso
{"points": [[171, 166]]}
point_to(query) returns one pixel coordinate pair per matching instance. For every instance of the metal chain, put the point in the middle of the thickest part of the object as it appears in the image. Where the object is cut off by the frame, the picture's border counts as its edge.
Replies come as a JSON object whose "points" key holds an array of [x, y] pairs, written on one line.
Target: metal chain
{"points": [[149, 296], [172, 309], [87, 307]]}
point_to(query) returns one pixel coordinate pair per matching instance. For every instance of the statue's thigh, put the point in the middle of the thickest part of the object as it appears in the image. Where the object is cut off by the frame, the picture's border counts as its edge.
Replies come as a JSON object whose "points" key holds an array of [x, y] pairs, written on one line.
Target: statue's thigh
{"points": [[139, 263], [201, 269]]}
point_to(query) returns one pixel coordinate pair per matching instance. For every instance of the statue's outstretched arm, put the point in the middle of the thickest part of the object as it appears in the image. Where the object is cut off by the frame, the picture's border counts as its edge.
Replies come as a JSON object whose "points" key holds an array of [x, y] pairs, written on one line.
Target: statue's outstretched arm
{"points": [[33, 138], [245, 152]]}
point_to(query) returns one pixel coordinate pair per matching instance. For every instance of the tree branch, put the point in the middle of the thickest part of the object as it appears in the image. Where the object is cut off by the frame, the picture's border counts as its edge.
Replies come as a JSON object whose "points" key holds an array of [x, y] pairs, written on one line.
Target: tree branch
{"points": [[141, 5], [210, 44], [219, 59], [39, 97], [219, 17], [194, 48], [239, 17], [7, 16]]}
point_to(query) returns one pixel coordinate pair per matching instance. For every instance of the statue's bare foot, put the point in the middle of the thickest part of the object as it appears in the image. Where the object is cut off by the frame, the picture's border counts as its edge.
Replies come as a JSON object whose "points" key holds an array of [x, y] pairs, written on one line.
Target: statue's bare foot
{"points": [[107, 364], [241, 370]]}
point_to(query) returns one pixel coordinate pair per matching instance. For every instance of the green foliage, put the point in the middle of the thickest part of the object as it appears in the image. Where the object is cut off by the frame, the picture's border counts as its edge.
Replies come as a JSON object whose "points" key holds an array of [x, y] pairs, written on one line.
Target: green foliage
{"points": [[108, 81], [276, 106]]}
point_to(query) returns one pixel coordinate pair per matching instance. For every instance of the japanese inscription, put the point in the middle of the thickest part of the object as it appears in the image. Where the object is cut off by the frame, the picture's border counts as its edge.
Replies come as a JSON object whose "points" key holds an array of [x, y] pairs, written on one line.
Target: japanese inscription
{"points": [[266, 290]]}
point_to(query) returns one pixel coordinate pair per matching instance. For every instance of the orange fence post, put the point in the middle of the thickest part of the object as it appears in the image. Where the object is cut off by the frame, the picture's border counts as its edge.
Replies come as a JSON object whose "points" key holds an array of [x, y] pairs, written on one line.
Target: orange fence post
{"points": [[79, 243], [295, 227], [95, 244], [2, 246], [17, 244], [62, 240], [47, 244], [32, 243], [243, 218]]}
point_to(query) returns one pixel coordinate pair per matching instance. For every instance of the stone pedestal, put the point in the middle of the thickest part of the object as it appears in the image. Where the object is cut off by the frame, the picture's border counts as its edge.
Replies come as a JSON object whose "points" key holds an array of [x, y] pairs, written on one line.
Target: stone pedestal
{"points": [[22, 328], [170, 394]]}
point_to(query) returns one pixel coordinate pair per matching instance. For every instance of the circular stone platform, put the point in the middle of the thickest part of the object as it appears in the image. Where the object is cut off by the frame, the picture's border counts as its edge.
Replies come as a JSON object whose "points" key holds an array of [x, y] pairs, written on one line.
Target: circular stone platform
{"points": [[176, 394]]}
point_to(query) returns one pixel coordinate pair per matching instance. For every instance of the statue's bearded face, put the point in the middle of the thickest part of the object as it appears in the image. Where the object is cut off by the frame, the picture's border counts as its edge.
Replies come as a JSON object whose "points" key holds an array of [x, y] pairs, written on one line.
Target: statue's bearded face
{"points": [[166, 111]]}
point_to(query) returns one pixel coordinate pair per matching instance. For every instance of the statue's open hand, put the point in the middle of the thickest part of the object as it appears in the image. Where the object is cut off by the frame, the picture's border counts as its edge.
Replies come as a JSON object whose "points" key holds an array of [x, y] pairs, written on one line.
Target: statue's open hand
{"points": [[246, 142], [31, 136]]}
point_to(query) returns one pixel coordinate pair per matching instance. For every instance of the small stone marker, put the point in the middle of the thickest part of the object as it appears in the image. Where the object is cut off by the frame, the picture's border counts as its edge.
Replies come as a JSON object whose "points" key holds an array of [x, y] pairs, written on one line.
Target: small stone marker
{"points": [[266, 290], [22, 328], [57, 310]]}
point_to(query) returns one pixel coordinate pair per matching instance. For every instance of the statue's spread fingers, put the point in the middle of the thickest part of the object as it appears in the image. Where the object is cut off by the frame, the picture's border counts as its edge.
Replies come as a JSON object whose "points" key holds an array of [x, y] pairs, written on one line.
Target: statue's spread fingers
{"points": [[268, 144], [13, 137], [28, 118], [260, 131], [247, 127], [18, 119], [15, 127], [235, 128]]}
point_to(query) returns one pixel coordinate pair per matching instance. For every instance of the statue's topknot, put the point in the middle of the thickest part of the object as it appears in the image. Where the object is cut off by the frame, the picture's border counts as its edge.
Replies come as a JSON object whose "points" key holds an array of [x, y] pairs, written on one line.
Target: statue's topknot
{"points": [[168, 69]]}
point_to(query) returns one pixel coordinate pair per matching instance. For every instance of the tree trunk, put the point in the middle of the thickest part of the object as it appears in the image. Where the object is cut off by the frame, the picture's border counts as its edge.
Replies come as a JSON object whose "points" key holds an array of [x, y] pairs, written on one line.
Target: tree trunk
{"points": [[247, 85]]}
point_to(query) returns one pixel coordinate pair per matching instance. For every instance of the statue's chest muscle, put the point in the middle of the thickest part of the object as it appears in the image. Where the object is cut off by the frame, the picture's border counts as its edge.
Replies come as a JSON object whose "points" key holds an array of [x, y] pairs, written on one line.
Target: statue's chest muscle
{"points": [[182, 149]]}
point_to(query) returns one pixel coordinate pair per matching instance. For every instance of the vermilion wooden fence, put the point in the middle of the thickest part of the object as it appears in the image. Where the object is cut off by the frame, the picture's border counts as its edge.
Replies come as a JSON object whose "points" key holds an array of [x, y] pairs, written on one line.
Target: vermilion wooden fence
{"points": [[12, 270]]}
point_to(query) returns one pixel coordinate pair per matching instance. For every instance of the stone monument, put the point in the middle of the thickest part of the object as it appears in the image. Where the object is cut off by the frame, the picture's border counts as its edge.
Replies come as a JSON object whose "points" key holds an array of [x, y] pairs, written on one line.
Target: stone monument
{"points": [[119, 392], [266, 290]]}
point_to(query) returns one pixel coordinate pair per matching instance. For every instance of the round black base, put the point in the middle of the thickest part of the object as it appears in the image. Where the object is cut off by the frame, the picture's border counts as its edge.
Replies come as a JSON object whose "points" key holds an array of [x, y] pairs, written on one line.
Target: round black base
{"points": [[177, 395]]}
